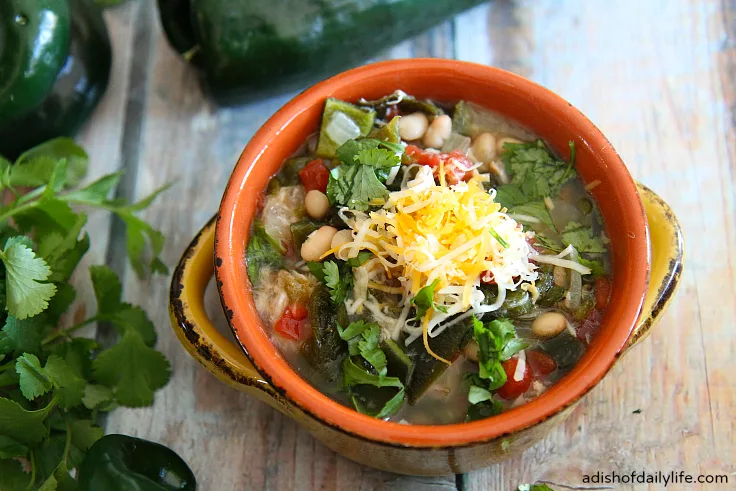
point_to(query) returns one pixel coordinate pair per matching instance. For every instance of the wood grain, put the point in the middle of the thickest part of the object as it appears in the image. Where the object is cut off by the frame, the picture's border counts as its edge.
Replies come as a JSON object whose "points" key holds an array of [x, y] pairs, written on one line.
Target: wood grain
{"points": [[661, 84]]}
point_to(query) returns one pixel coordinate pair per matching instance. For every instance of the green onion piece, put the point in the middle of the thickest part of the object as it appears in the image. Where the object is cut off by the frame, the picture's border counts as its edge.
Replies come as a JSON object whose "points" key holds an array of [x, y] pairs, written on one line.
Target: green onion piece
{"points": [[500, 239]]}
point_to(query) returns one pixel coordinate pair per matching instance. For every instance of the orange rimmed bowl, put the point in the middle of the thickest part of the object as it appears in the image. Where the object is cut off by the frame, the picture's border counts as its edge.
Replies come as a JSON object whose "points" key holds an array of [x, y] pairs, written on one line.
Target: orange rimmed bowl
{"points": [[646, 245]]}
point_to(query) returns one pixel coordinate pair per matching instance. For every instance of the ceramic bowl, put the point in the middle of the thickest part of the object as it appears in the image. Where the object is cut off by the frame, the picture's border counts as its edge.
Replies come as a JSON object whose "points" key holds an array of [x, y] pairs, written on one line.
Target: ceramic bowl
{"points": [[646, 246]]}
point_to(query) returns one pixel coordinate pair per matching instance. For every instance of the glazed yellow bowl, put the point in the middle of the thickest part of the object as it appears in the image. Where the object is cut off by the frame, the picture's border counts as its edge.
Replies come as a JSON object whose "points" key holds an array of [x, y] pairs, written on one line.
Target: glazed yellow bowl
{"points": [[639, 221]]}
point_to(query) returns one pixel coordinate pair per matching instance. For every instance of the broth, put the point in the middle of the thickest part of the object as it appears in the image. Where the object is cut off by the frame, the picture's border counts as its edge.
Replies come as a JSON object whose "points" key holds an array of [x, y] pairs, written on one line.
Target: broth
{"points": [[428, 263]]}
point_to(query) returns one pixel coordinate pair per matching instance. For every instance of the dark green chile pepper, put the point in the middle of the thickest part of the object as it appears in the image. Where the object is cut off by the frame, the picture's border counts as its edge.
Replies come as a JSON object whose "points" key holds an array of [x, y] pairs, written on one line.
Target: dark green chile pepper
{"points": [[427, 368], [250, 48], [565, 349], [55, 62], [325, 350], [124, 463]]}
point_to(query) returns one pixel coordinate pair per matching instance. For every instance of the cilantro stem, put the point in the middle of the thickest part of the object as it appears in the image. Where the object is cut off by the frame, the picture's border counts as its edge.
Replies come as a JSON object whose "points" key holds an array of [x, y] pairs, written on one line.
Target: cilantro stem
{"points": [[33, 470], [68, 444], [65, 332]]}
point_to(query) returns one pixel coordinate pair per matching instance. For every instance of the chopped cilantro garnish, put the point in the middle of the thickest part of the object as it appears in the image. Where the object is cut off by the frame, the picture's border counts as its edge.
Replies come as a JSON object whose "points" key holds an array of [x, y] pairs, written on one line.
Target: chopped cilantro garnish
{"points": [[338, 276], [363, 170], [424, 300], [497, 342], [582, 238]]}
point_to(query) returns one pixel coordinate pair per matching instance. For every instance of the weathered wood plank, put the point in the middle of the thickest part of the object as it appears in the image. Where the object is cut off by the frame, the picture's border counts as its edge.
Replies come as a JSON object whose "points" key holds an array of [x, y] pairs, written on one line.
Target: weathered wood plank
{"points": [[657, 90], [664, 92]]}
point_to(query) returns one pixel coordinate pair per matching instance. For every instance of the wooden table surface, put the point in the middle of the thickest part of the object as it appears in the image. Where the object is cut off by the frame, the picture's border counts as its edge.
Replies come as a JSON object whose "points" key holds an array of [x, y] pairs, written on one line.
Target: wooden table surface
{"points": [[657, 76]]}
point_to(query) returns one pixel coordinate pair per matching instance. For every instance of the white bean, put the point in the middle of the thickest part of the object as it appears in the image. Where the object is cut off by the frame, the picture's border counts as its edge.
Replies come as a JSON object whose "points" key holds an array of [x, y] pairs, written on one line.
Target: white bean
{"points": [[318, 243], [342, 238], [438, 132], [549, 324], [484, 147], [471, 351], [502, 141], [316, 203], [413, 126]]}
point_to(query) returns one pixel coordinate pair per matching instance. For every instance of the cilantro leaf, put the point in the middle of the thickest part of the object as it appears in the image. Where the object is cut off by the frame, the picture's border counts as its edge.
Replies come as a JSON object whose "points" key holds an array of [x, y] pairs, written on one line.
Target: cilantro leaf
{"points": [[424, 300], [582, 238], [34, 381], [98, 397], [63, 252], [365, 187], [392, 405], [596, 267], [370, 350], [353, 330], [132, 369], [354, 375], [360, 259], [478, 394], [95, 193], [26, 295], [497, 342], [107, 288], [535, 173], [22, 335], [535, 209], [85, 433], [262, 250], [484, 409], [108, 291], [12, 475], [69, 385], [10, 448], [338, 278], [336, 282], [363, 170], [23, 425], [378, 157], [35, 166]]}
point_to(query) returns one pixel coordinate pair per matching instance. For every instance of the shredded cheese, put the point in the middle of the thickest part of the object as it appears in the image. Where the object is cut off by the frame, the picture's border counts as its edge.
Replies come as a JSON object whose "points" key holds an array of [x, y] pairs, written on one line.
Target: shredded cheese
{"points": [[428, 231]]}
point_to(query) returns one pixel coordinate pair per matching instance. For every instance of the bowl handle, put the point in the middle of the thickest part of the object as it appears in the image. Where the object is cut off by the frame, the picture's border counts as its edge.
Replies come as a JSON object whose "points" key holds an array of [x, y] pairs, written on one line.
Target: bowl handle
{"points": [[196, 331], [667, 250]]}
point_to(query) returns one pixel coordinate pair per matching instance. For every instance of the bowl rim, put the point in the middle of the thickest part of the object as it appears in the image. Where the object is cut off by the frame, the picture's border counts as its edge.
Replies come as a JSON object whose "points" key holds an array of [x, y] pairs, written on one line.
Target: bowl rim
{"points": [[243, 319]]}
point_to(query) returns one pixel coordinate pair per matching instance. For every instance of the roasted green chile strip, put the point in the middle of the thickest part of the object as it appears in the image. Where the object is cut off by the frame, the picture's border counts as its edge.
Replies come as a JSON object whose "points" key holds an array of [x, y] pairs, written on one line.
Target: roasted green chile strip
{"points": [[55, 61], [123, 463]]}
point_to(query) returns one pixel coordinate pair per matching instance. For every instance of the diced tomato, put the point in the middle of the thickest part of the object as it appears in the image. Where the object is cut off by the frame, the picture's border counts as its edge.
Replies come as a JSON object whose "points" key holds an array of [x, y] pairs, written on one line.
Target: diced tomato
{"points": [[487, 278], [392, 111], [589, 326], [541, 363], [292, 321], [457, 167], [315, 175], [602, 292], [513, 388]]}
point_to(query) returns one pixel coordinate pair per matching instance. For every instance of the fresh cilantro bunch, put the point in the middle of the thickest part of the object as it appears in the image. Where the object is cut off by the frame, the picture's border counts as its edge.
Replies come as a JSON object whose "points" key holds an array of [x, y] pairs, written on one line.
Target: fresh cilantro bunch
{"points": [[360, 178], [53, 387], [497, 342]]}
